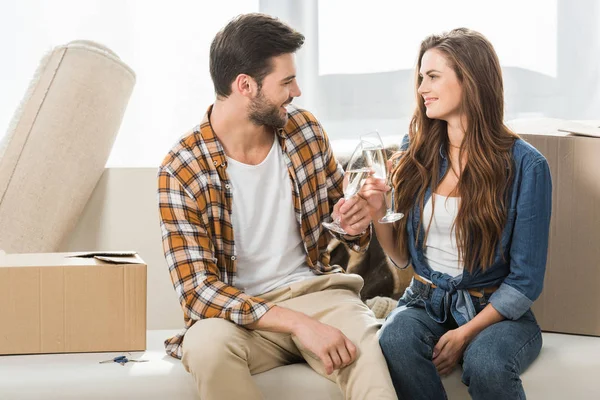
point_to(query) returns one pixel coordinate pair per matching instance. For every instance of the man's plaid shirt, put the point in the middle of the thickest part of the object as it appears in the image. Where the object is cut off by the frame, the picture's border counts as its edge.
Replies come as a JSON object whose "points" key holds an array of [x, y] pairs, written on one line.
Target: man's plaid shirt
{"points": [[195, 200]]}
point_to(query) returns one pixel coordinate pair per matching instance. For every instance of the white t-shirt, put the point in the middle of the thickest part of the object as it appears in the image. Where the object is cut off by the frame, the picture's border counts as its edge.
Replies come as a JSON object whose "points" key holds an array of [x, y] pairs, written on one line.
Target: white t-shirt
{"points": [[441, 251], [269, 250]]}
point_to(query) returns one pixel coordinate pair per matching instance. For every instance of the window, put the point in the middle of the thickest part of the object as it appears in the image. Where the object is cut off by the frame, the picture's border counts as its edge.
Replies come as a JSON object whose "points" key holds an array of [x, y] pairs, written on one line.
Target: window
{"points": [[385, 35], [355, 69]]}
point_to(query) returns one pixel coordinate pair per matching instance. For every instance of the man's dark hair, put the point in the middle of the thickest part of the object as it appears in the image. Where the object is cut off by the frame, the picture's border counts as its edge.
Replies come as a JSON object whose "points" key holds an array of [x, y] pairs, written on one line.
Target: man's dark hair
{"points": [[246, 46]]}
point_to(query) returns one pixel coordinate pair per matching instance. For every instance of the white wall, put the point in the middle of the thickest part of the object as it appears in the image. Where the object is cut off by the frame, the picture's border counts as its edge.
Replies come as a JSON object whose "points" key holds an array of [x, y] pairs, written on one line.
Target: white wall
{"points": [[122, 214]]}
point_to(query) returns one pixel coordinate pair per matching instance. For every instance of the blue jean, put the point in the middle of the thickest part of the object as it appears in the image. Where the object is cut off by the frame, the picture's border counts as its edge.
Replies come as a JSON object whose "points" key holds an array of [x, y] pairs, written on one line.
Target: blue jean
{"points": [[492, 362]]}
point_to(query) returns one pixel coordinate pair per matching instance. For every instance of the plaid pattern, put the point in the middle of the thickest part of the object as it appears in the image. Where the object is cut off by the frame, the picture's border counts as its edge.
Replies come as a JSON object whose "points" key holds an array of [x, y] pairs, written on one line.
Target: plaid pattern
{"points": [[195, 211]]}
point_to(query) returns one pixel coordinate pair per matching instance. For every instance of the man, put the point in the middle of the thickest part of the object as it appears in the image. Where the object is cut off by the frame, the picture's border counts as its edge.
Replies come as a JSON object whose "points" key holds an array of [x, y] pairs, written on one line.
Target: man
{"points": [[242, 198]]}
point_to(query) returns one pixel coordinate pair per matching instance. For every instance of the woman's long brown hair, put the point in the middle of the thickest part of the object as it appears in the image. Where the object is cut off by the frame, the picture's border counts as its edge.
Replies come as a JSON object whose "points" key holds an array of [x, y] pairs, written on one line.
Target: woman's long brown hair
{"points": [[488, 171]]}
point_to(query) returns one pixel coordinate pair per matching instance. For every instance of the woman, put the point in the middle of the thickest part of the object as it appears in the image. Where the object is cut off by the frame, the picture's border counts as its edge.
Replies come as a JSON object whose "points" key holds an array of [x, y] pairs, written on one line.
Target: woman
{"points": [[477, 201]]}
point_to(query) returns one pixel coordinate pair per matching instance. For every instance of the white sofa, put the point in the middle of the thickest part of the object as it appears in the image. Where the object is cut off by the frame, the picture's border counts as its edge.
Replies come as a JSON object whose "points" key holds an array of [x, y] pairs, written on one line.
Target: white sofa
{"points": [[122, 214]]}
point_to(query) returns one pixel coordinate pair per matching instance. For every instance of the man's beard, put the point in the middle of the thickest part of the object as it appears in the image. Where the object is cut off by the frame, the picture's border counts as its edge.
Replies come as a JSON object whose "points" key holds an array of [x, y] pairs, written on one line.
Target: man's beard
{"points": [[263, 112]]}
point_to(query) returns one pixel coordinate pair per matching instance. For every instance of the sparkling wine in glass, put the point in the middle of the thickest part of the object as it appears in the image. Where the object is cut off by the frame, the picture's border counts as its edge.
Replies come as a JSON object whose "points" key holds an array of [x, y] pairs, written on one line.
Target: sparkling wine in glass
{"points": [[357, 172], [374, 152]]}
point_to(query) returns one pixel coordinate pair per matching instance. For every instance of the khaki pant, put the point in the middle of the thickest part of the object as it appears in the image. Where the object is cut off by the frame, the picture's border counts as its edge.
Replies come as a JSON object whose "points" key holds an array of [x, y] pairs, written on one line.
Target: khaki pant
{"points": [[223, 356]]}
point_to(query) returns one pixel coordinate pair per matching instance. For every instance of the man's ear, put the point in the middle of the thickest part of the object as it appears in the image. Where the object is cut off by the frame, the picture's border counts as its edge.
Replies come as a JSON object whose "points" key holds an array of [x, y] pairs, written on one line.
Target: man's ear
{"points": [[245, 85]]}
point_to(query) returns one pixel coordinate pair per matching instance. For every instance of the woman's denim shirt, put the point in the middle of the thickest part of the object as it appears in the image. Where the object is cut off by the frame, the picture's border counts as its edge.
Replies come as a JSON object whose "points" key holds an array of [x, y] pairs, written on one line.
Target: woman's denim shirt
{"points": [[519, 275]]}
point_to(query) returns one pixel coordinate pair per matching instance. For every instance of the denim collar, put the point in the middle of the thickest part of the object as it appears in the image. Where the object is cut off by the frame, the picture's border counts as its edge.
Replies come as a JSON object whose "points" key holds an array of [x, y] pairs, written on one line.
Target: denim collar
{"points": [[442, 152]]}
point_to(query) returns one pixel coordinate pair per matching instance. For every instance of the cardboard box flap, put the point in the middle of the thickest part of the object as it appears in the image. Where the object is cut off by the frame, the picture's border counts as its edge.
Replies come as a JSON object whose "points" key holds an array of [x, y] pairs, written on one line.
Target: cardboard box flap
{"points": [[91, 254], [554, 127], [578, 128], [113, 257], [119, 260], [69, 259]]}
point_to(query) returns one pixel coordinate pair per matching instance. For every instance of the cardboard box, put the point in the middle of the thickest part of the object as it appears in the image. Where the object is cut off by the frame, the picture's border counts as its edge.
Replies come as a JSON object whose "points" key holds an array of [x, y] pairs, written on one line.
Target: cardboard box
{"points": [[56, 303], [570, 301]]}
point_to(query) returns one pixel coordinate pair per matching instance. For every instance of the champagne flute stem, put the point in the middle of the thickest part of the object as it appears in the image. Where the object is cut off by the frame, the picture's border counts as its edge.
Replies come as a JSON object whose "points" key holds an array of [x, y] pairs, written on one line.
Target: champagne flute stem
{"points": [[387, 203]]}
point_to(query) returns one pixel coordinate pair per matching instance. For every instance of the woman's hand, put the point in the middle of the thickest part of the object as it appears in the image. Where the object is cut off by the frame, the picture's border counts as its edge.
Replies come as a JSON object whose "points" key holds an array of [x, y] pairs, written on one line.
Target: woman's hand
{"points": [[449, 350], [374, 191]]}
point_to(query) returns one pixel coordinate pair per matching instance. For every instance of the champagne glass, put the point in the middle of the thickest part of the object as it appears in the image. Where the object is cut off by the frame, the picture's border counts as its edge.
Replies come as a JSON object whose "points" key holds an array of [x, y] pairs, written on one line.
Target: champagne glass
{"points": [[375, 158], [357, 172]]}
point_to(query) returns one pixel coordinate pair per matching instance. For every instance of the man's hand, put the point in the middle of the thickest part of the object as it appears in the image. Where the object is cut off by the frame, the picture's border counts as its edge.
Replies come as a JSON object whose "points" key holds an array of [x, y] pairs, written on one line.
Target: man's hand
{"points": [[327, 343], [449, 350], [354, 215]]}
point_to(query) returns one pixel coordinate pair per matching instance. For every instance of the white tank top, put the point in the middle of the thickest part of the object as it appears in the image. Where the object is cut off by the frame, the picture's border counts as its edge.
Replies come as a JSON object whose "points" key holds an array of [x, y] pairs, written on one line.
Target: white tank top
{"points": [[441, 251], [269, 250]]}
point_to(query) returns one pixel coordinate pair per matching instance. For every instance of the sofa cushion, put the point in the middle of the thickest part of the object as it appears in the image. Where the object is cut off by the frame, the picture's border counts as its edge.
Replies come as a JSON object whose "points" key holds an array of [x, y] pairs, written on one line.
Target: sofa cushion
{"points": [[80, 376], [58, 143], [566, 368]]}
